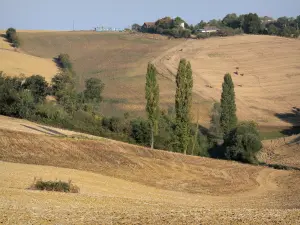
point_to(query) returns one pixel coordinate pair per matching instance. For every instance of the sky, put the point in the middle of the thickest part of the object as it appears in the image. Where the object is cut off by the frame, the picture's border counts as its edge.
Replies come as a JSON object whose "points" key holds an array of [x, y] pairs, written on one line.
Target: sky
{"points": [[87, 14]]}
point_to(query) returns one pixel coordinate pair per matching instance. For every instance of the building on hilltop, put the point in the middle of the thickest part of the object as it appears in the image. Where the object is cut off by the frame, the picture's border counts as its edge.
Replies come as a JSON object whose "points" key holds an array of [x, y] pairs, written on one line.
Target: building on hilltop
{"points": [[208, 29], [148, 25]]}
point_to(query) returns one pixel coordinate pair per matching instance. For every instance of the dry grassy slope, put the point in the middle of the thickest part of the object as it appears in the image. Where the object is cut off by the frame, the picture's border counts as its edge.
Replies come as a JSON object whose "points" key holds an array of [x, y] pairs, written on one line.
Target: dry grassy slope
{"points": [[119, 59], [14, 63], [131, 184], [270, 66]]}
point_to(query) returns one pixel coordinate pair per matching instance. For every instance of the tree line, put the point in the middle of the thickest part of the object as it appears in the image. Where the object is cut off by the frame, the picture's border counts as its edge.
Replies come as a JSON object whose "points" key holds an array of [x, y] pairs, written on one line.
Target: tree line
{"points": [[227, 137], [231, 24]]}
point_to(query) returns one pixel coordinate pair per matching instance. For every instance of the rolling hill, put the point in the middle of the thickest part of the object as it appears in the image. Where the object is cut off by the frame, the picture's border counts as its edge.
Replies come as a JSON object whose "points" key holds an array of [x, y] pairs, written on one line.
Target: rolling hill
{"points": [[122, 183], [118, 59], [266, 84], [266, 80]]}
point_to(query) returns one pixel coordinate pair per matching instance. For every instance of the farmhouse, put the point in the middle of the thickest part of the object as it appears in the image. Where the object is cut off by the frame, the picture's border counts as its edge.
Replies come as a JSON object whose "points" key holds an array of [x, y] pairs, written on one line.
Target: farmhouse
{"points": [[148, 25], [208, 29]]}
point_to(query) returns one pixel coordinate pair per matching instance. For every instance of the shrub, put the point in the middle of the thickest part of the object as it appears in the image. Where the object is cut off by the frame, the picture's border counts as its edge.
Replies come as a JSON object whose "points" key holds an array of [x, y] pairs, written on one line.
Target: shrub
{"points": [[243, 143], [12, 37], [38, 87], [202, 35], [64, 61], [94, 88], [58, 186]]}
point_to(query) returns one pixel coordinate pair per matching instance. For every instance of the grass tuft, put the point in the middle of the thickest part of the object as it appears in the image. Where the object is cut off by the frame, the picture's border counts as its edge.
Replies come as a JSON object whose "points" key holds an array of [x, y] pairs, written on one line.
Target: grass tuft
{"points": [[59, 186]]}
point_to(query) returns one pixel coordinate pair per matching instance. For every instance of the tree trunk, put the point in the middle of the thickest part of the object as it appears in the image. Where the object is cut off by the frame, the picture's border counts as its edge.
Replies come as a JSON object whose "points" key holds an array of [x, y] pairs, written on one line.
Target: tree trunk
{"points": [[152, 138]]}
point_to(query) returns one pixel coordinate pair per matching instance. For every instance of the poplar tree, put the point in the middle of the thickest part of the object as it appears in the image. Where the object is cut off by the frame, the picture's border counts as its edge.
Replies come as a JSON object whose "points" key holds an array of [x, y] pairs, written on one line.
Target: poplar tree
{"points": [[228, 117], [152, 97], [183, 103]]}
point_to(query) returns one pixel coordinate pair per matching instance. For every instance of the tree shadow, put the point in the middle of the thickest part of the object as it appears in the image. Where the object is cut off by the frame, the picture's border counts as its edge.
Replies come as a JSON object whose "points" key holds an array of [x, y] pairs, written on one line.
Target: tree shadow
{"points": [[217, 151], [55, 132], [45, 130], [35, 129], [57, 62], [5, 39], [293, 118]]}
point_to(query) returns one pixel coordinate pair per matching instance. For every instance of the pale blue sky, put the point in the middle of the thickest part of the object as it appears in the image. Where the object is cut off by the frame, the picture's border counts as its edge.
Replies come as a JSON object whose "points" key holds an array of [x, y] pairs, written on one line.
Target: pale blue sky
{"points": [[59, 14]]}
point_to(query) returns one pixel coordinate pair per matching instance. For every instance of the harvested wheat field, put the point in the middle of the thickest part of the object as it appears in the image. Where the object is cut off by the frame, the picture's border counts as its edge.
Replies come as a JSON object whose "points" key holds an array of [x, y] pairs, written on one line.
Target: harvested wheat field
{"points": [[14, 63], [265, 70], [126, 184]]}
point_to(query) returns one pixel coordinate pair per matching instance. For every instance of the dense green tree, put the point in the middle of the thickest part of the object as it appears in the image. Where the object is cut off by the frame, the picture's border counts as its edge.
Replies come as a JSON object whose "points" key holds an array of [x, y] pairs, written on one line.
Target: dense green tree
{"points": [[183, 102], [232, 20], [228, 117], [243, 143], [12, 37], [251, 24], [140, 131], [215, 129], [200, 25], [272, 29], [152, 97], [38, 87], [63, 88], [93, 90], [136, 27]]}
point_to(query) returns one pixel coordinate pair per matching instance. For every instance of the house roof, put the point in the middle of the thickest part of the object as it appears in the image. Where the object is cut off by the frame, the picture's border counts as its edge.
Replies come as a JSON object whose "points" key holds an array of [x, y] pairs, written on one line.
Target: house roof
{"points": [[149, 24]]}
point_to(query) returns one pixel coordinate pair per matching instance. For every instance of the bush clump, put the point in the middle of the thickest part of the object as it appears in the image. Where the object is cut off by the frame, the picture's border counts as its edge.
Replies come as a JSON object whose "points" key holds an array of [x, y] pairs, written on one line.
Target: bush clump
{"points": [[59, 186], [12, 37], [243, 143]]}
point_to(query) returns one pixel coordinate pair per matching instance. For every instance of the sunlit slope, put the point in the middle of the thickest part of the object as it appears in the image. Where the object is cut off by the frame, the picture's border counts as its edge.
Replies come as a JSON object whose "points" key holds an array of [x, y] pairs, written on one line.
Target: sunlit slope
{"points": [[267, 79], [14, 62], [122, 183]]}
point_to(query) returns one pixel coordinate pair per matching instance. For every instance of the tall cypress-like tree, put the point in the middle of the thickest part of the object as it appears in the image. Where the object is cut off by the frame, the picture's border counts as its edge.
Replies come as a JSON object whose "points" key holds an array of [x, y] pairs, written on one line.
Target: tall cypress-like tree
{"points": [[183, 103], [228, 108], [152, 97]]}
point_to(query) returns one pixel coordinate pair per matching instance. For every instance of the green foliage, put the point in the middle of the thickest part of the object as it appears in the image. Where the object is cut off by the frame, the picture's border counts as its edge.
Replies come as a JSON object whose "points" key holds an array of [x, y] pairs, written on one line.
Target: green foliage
{"points": [[215, 129], [51, 111], [243, 143], [152, 98], [228, 117], [93, 90], [64, 62], [232, 21], [136, 27], [58, 186], [14, 100], [38, 87], [252, 24], [140, 131], [183, 102], [12, 37]]}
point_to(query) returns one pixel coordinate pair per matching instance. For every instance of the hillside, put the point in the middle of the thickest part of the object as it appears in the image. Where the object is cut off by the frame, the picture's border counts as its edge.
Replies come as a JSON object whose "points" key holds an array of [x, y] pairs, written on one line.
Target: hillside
{"points": [[268, 76], [122, 183], [118, 59], [14, 63], [266, 87], [284, 151]]}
